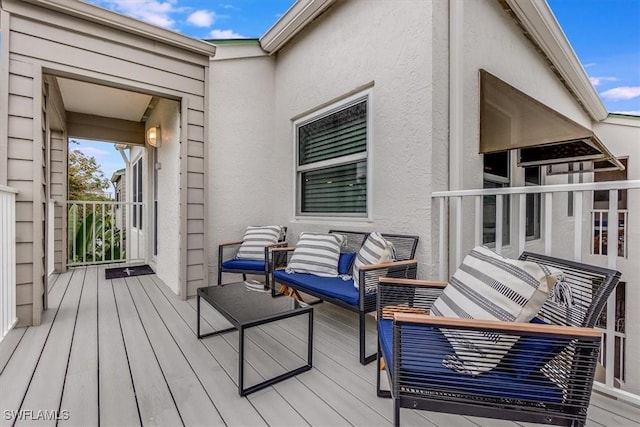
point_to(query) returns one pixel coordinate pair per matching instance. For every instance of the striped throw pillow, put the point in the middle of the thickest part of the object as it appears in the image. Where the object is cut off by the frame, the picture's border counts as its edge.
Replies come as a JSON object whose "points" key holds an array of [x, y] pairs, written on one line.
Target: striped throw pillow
{"points": [[488, 286], [375, 250], [256, 238], [316, 253]]}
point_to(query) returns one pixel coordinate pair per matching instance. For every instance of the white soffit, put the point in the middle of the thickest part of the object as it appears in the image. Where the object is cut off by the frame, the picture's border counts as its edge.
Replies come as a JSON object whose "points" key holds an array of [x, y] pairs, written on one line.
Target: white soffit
{"points": [[104, 101]]}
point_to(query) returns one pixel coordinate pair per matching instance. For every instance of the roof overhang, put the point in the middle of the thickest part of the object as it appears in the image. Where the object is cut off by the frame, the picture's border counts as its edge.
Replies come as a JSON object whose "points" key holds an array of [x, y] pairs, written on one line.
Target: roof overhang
{"points": [[511, 119], [111, 19], [294, 20]]}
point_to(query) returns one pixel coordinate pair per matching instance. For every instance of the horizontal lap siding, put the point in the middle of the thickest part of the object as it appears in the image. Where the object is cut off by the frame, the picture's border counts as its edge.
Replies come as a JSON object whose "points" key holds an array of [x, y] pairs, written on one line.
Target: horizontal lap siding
{"points": [[21, 169], [74, 46]]}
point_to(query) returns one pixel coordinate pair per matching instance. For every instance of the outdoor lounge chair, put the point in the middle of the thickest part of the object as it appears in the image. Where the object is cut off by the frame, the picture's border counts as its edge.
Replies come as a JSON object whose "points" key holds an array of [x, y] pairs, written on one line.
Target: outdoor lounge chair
{"points": [[546, 376], [228, 261]]}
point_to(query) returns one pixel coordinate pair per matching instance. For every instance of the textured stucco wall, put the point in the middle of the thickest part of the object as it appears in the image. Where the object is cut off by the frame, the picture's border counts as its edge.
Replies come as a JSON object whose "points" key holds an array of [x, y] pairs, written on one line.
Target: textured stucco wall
{"points": [[241, 187], [353, 44], [166, 114]]}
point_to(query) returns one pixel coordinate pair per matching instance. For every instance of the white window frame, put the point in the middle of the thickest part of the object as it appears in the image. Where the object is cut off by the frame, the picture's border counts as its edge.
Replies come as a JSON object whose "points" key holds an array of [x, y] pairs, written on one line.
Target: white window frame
{"points": [[320, 113]]}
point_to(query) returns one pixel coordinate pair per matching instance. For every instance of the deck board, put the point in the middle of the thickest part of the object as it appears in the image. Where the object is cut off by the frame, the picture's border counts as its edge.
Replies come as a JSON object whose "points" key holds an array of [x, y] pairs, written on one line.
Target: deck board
{"points": [[118, 405], [155, 401], [45, 389], [80, 393], [192, 401], [124, 352]]}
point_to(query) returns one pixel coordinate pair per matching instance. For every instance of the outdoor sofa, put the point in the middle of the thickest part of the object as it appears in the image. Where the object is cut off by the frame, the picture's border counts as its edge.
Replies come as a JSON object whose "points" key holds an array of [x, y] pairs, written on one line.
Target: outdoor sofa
{"points": [[342, 292]]}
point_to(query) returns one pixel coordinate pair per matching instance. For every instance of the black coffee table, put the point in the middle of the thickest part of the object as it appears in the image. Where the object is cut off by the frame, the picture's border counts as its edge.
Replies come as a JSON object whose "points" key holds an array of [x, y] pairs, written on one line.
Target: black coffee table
{"points": [[246, 309]]}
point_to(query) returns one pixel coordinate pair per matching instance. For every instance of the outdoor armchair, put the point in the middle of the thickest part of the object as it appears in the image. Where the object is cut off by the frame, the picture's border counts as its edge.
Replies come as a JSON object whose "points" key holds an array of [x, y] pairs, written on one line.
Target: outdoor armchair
{"points": [[229, 262], [545, 377]]}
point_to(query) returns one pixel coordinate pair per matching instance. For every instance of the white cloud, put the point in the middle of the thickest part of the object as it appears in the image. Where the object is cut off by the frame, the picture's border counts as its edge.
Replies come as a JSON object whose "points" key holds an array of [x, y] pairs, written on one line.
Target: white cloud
{"points": [[225, 34], [622, 93], [590, 64], [597, 80], [151, 11], [628, 113], [201, 18]]}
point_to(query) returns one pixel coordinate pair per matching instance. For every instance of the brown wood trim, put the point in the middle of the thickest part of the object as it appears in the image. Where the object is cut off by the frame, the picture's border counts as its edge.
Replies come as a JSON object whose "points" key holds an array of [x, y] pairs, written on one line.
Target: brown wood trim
{"points": [[498, 325], [413, 282], [277, 245], [284, 249], [388, 264], [235, 242]]}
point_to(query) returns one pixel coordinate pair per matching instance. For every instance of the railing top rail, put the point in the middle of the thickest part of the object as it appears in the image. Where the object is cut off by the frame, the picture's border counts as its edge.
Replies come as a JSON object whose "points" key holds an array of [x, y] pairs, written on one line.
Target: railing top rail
{"points": [[101, 202], [5, 189], [555, 188]]}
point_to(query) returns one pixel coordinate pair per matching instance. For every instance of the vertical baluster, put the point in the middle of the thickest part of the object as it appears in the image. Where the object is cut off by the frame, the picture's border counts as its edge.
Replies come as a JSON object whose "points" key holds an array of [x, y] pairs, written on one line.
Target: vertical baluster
{"points": [[548, 220], [441, 242], [102, 208], [458, 203], [84, 233], [499, 216], [522, 224], [93, 232], [577, 226], [478, 223], [114, 222], [612, 258], [600, 232]]}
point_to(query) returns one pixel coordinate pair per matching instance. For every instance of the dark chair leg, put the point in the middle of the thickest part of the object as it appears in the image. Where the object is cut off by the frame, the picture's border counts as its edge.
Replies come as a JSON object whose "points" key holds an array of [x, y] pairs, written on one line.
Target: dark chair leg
{"points": [[379, 391], [364, 359], [244, 277], [396, 412], [219, 276]]}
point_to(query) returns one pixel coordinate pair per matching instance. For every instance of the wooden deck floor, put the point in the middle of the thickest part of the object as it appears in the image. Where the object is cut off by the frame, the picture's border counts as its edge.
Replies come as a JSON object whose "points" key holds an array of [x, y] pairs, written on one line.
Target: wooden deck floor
{"points": [[124, 352]]}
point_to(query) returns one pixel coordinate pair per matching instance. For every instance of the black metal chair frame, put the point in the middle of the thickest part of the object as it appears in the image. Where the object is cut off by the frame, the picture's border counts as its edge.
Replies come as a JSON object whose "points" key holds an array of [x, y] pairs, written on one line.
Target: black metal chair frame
{"points": [[404, 267], [228, 250], [572, 369]]}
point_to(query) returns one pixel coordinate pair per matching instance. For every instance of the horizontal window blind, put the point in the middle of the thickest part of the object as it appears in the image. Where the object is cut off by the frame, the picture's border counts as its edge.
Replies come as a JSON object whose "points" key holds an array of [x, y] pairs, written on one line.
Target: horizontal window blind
{"points": [[336, 135], [338, 189]]}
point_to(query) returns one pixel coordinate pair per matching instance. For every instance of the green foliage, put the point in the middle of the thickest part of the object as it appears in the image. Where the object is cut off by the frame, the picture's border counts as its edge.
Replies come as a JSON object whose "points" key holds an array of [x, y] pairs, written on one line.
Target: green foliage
{"points": [[91, 235], [86, 179]]}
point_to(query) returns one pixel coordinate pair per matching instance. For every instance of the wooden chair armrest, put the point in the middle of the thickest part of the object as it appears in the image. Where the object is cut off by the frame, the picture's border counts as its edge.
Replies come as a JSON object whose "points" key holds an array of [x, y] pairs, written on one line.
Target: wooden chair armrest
{"points": [[283, 249], [389, 264], [495, 325], [236, 242], [277, 244], [414, 282]]}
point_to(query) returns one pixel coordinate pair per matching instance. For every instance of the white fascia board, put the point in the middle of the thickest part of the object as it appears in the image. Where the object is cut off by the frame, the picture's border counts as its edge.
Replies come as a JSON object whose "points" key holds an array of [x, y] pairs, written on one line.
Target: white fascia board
{"points": [[292, 22], [538, 20], [623, 120], [111, 19]]}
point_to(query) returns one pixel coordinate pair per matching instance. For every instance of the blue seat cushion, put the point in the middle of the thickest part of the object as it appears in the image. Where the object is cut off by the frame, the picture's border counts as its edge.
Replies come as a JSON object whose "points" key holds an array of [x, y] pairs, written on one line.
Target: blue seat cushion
{"points": [[531, 353], [333, 287], [427, 369], [244, 264], [345, 261]]}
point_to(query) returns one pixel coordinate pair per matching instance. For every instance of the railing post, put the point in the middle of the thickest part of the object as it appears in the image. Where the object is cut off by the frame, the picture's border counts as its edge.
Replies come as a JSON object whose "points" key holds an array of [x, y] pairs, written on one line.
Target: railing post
{"points": [[612, 259], [444, 261], [548, 221], [577, 226], [499, 219]]}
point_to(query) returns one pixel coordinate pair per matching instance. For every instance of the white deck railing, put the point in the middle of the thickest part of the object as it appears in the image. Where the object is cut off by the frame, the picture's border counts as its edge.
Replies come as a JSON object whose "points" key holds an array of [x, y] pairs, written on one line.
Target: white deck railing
{"points": [[599, 237], [560, 236], [7, 260], [102, 232]]}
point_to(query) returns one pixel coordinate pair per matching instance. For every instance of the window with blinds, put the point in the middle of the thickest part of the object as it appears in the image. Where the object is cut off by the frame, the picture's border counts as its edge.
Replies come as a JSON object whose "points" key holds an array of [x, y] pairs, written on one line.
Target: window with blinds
{"points": [[332, 162]]}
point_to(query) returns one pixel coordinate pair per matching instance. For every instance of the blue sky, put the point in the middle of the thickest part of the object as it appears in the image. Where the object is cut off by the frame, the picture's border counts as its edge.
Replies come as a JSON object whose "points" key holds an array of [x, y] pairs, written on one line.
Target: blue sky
{"points": [[605, 34]]}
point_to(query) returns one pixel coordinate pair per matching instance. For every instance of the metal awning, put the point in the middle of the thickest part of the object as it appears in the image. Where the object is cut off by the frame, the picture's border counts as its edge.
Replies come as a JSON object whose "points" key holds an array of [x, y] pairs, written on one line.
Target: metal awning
{"points": [[511, 119]]}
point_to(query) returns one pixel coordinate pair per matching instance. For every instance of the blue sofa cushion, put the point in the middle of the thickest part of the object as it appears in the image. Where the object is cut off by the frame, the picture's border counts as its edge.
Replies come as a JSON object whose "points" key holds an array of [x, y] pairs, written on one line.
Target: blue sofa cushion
{"points": [[531, 353], [427, 368], [334, 287], [244, 264], [345, 261]]}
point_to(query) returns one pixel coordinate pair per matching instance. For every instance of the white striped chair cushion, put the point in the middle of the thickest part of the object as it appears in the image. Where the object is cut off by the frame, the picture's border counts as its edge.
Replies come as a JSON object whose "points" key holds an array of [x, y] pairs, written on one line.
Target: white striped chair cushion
{"points": [[256, 238], [488, 286], [375, 250], [316, 253]]}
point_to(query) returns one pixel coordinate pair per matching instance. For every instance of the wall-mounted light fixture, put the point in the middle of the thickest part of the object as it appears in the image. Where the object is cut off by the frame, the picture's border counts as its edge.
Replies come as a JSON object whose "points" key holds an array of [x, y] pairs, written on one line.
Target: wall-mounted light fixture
{"points": [[154, 136]]}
